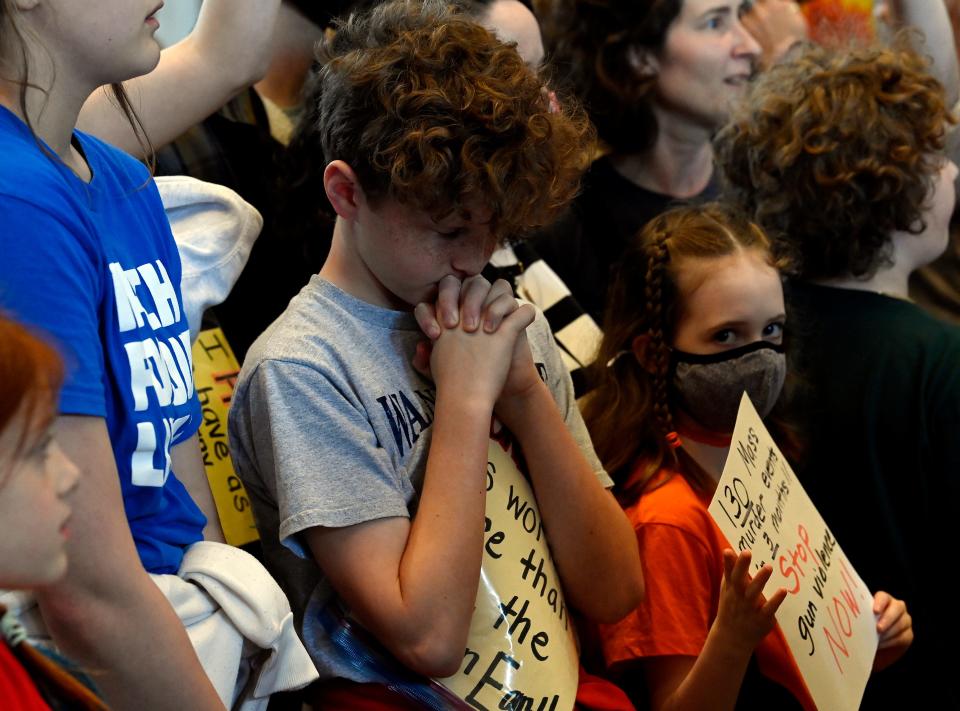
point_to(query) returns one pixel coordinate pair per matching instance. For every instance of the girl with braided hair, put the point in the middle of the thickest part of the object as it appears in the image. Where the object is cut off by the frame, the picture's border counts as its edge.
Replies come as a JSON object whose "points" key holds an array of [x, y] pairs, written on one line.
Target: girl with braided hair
{"points": [[695, 317]]}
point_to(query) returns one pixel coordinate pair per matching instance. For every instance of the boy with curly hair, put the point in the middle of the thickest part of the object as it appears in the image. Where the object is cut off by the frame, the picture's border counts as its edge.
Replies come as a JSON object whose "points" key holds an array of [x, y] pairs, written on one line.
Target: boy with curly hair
{"points": [[840, 158], [361, 436]]}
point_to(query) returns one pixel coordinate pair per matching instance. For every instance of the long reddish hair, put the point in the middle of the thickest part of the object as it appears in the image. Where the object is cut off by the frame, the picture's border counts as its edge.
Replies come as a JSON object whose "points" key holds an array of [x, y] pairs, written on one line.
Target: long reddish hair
{"points": [[30, 376], [629, 412]]}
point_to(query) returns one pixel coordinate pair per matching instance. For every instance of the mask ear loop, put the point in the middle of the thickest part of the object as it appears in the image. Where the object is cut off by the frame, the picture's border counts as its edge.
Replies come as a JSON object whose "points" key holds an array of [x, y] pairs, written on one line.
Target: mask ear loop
{"points": [[617, 357]]}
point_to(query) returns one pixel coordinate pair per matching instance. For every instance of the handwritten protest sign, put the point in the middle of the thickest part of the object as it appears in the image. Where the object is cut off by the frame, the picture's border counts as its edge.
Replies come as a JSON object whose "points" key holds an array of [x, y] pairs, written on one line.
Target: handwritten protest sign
{"points": [[827, 616], [215, 370], [521, 652]]}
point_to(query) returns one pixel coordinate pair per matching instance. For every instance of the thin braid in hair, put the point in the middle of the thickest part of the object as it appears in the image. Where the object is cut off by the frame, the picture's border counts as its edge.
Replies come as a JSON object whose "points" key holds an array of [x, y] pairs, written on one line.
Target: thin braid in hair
{"points": [[658, 256], [635, 394]]}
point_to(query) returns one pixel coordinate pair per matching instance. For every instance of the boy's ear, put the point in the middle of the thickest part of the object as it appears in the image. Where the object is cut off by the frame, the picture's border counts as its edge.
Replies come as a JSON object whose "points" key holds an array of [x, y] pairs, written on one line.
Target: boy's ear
{"points": [[641, 351], [643, 62], [343, 189]]}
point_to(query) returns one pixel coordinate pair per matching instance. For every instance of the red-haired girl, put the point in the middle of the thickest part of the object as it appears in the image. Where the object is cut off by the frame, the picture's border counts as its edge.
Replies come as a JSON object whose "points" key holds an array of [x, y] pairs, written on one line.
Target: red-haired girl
{"points": [[694, 319]]}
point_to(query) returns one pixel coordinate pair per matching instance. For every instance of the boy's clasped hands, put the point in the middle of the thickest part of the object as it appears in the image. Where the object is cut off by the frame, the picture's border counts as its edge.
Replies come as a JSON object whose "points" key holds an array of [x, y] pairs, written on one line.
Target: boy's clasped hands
{"points": [[477, 343]]}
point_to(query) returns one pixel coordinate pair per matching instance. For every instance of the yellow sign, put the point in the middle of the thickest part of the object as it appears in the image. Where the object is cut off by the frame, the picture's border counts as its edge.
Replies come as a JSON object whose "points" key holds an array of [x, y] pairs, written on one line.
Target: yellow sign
{"points": [[521, 652], [215, 370]]}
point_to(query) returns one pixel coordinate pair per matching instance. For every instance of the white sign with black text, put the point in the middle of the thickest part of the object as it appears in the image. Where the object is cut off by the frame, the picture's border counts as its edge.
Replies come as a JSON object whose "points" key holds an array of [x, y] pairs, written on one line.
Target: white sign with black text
{"points": [[827, 617]]}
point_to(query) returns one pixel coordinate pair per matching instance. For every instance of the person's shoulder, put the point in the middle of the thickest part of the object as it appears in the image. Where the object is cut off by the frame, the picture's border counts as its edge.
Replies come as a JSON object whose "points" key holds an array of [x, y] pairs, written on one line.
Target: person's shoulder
{"points": [[897, 321], [297, 334], [36, 198], [33, 178], [110, 163], [934, 327], [317, 330], [563, 241], [905, 325], [939, 342], [27, 172], [601, 175], [670, 500], [539, 331], [671, 516]]}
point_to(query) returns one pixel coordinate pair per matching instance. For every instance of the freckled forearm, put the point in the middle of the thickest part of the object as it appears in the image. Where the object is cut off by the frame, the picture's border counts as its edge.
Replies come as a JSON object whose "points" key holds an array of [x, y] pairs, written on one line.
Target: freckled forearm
{"points": [[440, 567], [593, 543]]}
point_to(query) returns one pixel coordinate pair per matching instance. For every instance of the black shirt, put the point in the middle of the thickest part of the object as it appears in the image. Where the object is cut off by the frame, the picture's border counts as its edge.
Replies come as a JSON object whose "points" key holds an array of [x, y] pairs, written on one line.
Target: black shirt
{"points": [[879, 405], [587, 243], [234, 148]]}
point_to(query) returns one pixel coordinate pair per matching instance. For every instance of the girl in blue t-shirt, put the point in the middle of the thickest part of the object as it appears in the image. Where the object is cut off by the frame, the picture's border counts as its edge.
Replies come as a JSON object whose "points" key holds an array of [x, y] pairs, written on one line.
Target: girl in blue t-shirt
{"points": [[89, 258]]}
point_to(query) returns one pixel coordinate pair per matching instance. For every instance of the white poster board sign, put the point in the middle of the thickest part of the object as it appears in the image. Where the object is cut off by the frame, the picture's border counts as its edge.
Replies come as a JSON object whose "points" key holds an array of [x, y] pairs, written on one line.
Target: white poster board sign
{"points": [[521, 652], [827, 617]]}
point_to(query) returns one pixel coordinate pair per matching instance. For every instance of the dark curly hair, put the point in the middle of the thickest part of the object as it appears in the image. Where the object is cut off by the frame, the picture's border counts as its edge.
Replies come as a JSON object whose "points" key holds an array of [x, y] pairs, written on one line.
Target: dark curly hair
{"points": [[831, 153], [429, 108], [589, 43]]}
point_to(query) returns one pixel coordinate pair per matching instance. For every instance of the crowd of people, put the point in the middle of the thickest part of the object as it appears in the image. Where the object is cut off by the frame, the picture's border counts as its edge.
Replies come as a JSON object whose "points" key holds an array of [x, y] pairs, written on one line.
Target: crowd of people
{"points": [[692, 199]]}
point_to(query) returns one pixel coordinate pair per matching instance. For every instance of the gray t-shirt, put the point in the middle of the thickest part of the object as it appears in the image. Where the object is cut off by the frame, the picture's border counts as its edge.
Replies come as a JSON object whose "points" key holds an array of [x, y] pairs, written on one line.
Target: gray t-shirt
{"points": [[330, 426]]}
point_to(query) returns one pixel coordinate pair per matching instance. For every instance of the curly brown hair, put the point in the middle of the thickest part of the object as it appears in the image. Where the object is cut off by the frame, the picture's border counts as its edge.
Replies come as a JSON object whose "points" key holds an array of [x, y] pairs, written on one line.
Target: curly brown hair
{"points": [[833, 152], [429, 108], [633, 397], [589, 44]]}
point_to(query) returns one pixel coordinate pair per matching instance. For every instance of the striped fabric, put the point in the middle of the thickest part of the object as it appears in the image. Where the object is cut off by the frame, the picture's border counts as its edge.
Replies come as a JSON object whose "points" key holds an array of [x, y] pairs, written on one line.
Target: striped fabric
{"points": [[575, 331]]}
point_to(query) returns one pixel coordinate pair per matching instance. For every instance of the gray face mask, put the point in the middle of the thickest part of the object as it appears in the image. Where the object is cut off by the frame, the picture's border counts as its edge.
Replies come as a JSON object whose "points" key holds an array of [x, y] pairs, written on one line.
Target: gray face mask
{"points": [[709, 387]]}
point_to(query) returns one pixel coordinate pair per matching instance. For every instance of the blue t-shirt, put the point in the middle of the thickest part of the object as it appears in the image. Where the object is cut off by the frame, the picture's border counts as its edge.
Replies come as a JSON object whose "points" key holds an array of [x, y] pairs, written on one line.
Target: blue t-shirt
{"points": [[95, 266]]}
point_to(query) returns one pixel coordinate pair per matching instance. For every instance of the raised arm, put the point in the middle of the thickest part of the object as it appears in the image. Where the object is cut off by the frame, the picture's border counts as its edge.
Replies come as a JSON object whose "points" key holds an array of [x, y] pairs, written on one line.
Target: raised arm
{"points": [[776, 25], [712, 680], [227, 51], [107, 614], [933, 20]]}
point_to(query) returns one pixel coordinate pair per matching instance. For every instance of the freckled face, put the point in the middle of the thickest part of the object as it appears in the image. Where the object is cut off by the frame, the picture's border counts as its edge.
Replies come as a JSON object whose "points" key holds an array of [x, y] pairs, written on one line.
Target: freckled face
{"points": [[403, 253]]}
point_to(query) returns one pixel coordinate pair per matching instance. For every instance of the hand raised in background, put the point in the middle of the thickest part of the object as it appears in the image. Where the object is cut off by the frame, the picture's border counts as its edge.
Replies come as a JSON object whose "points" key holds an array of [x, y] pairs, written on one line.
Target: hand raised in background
{"points": [[744, 615], [776, 25]]}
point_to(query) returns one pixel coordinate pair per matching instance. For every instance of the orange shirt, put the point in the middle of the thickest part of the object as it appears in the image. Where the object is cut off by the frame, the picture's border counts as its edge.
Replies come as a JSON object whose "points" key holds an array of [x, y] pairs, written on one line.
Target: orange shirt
{"points": [[17, 690], [681, 550]]}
